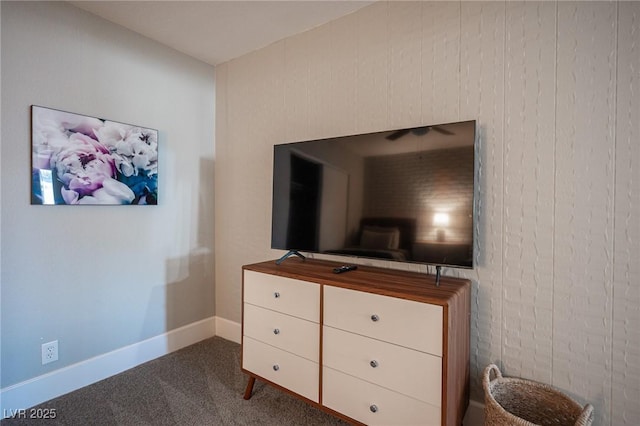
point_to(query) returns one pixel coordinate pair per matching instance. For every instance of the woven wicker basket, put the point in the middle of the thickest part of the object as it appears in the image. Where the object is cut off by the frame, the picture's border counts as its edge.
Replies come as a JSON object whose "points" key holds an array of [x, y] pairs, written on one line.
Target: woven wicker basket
{"points": [[512, 401]]}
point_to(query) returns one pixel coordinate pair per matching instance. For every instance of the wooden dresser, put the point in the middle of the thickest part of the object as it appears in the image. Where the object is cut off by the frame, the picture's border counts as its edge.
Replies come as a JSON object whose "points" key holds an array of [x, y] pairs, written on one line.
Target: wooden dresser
{"points": [[372, 346]]}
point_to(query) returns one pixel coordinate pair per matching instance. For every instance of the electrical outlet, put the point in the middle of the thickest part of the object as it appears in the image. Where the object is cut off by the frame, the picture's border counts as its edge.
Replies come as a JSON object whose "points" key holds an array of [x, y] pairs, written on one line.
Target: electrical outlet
{"points": [[49, 352]]}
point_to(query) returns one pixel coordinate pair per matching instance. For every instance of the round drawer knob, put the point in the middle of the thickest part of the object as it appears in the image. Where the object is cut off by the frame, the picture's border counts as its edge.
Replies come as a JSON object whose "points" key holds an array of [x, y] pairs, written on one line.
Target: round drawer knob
{"points": [[276, 367], [276, 294], [373, 363], [373, 408], [375, 318], [276, 331]]}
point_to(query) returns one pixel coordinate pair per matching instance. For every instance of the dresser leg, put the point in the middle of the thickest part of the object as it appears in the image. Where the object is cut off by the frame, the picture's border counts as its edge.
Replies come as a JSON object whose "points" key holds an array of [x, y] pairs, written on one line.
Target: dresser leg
{"points": [[249, 389]]}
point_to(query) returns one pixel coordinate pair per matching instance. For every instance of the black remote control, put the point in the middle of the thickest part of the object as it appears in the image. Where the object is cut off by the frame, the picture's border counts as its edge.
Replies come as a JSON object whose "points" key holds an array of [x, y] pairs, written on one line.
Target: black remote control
{"points": [[344, 268]]}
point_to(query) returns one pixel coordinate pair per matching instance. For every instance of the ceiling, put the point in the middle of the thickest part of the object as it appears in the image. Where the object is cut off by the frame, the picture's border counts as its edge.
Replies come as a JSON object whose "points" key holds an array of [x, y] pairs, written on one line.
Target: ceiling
{"points": [[217, 31]]}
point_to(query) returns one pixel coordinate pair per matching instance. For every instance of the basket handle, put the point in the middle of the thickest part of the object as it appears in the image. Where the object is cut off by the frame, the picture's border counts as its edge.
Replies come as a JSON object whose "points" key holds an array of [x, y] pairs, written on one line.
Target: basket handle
{"points": [[487, 375], [585, 416]]}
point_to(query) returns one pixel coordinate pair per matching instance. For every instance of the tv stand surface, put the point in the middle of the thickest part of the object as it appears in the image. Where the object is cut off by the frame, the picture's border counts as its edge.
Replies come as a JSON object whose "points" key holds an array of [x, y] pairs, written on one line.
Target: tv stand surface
{"points": [[310, 332]]}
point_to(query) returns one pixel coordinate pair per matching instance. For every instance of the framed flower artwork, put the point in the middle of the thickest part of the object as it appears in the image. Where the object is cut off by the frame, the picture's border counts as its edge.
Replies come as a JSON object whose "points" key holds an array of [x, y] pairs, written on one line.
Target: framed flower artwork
{"points": [[77, 159]]}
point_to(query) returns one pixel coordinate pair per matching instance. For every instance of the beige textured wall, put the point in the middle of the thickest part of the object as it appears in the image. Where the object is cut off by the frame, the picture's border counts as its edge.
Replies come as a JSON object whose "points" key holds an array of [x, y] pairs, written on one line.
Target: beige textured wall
{"points": [[554, 87]]}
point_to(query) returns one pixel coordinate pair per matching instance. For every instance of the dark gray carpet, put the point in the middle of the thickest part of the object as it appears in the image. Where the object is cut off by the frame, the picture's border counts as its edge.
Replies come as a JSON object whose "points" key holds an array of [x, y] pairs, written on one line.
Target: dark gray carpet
{"points": [[198, 385]]}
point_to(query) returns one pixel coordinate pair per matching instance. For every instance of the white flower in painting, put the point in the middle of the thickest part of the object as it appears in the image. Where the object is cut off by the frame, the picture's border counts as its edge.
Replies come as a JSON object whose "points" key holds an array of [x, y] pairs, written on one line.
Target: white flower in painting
{"points": [[134, 150]]}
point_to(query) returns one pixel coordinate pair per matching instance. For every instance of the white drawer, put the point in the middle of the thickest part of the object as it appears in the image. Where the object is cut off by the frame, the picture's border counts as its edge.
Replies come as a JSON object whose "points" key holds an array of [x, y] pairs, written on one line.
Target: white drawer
{"points": [[404, 322], [356, 398], [410, 372], [295, 373], [290, 296], [292, 334]]}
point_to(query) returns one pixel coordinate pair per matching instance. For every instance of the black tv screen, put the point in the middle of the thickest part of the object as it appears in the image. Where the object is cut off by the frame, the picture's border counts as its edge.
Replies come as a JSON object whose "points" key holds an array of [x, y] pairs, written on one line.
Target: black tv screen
{"points": [[403, 195]]}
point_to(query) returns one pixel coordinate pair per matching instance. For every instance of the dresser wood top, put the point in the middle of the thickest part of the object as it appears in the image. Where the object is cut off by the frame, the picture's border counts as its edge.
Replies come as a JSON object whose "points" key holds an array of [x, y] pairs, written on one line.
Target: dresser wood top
{"points": [[388, 282]]}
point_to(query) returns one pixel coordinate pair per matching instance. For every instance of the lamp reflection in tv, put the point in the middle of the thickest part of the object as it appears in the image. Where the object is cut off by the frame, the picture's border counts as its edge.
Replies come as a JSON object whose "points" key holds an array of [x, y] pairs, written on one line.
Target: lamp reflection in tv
{"points": [[440, 221]]}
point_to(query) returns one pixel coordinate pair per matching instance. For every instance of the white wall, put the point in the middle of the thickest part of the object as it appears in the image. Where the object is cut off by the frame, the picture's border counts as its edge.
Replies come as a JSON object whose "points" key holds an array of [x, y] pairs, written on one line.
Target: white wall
{"points": [[99, 278], [554, 87]]}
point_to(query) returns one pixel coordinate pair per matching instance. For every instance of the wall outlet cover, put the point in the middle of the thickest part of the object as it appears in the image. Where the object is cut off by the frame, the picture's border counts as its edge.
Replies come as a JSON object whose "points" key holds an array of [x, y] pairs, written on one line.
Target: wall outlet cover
{"points": [[49, 352]]}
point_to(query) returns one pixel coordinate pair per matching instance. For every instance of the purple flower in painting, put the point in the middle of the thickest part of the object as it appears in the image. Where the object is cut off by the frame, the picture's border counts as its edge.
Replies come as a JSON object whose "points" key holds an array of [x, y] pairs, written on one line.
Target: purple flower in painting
{"points": [[51, 132], [88, 172], [111, 192]]}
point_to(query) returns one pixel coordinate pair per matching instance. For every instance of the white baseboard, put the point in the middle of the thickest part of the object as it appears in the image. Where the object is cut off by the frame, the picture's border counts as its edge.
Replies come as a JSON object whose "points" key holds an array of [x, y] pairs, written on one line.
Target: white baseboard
{"points": [[229, 330], [67, 379]]}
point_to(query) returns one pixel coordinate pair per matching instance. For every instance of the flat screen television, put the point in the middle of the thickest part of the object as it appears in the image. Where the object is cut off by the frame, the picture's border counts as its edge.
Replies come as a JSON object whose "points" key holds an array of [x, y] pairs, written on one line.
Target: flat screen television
{"points": [[403, 195]]}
